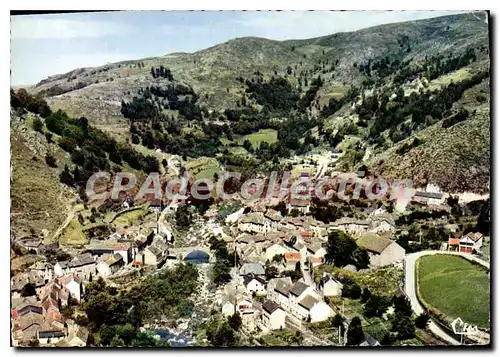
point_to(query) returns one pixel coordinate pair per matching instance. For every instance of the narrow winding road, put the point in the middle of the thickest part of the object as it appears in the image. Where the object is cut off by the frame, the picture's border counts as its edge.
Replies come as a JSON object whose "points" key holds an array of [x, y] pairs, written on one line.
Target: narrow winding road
{"points": [[411, 290]]}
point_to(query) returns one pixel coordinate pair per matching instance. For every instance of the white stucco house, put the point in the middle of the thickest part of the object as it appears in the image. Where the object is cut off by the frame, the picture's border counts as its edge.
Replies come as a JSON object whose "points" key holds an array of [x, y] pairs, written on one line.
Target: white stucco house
{"points": [[314, 308], [328, 286], [254, 284], [273, 317]]}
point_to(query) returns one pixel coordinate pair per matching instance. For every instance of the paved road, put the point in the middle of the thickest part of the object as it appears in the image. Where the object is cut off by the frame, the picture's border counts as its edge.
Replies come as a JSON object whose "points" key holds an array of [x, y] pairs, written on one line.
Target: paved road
{"points": [[410, 288]]}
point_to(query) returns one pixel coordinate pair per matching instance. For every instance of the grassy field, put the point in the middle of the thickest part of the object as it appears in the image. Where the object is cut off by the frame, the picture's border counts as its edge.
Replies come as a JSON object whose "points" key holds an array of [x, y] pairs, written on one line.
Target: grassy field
{"points": [[203, 167], [455, 287], [130, 218], [268, 135], [73, 234]]}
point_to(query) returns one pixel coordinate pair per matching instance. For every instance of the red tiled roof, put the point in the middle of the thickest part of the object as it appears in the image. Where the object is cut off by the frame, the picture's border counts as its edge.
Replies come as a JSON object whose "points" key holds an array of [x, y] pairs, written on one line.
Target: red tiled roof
{"points": [[292, 256], [453, 241]]}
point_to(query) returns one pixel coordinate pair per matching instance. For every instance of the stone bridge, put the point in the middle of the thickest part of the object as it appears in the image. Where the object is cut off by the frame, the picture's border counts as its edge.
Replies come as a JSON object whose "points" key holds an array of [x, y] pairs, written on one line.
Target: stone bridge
{"points": [[182, 252]]}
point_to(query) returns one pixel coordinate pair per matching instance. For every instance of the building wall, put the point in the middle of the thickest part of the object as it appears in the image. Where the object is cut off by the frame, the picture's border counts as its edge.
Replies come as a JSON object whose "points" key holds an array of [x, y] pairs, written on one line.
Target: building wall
{"points": [[149, 258], [273, 250], [276, 319], [391, 254], [256, 286], [320, 312], [332, 289], [85, 270], [74, 289]]}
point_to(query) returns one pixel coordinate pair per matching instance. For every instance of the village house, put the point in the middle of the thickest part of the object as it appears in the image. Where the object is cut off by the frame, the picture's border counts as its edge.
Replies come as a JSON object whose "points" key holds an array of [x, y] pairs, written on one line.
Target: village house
{"points": [[254, 284], [255, 223], [35, 278], [251, 254], [381, 223], [316, 250], [44, 268], [273, 317], [39, 321], [291, 260], [74, 285], [430, 198], [56, 290], [297, 244], [316, 261], [468, 243], [77, 336], [278, 290], [328, 286], [110, 264], [297, 292], [253, 268], [301, 205], [31, 244], [156, 254], [314, 309], [232, 303], [83, 265], [382, 251], [350, 225], [49, 334], [127, 250], [61, 268], [273, 250], [274, 217]]}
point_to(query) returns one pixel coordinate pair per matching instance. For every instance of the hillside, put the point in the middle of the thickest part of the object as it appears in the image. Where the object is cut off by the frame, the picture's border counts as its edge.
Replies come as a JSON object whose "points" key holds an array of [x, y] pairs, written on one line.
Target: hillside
{"points": [[211, 72], [397, 98], [39, 201]]}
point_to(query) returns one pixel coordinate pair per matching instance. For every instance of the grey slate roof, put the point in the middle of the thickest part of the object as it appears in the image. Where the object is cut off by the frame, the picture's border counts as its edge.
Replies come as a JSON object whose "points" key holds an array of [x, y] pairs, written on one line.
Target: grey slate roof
{"points": [[374, 243], [270, 306], [298, 288], [248, 278], [81, 260], [308, 302], [436, 195], [283, 285], [252, 268]]}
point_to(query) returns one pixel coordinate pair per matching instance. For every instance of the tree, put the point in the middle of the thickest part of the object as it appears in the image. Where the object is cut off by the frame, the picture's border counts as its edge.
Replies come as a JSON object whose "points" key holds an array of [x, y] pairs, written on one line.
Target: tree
{"points": [[220, 272], [341, 248], [389, 339], [271, 272], [422, 320], [365, 295], [337, 320], [235, 321], [117, 342], [38, 125], [126, 332], [48, 136], [376, 306], [219, 333], [106, 334], [183, 216], [361, 258], [28, 290], [402, 304], [351, 290], [355, 333], [50, 160], [404, 326]]}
